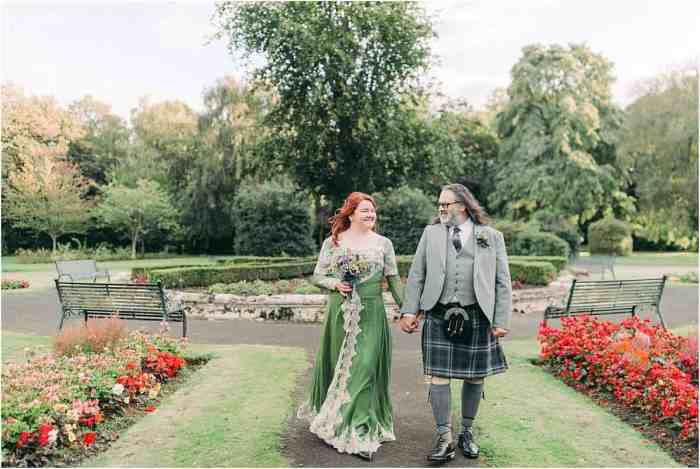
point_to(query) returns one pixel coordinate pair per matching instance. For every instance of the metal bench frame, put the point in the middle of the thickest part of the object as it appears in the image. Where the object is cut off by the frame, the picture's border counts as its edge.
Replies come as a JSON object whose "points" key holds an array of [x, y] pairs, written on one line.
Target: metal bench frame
{"points": [[92, 273], [130, 301], [602, 297]]}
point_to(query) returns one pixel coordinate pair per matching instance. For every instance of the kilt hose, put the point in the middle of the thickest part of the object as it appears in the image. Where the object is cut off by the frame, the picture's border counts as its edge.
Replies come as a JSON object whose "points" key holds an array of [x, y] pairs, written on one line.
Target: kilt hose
{"points": [[478, 356]]}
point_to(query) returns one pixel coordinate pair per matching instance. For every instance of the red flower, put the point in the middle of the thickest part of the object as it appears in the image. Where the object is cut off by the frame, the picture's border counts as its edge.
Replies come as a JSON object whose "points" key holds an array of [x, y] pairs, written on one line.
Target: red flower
{"points": [[149, 409], [131, 365], [44, 430], [89, 438], [23, 439]]}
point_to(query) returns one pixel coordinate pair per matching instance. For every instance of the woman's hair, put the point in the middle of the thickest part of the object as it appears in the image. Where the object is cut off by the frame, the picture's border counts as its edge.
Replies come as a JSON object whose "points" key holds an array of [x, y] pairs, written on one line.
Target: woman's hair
{"points": [[474, 209], [341, 220]]}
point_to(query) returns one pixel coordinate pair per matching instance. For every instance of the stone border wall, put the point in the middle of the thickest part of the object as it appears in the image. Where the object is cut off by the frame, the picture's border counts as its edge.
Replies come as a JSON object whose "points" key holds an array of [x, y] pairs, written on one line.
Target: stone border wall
{"points": [[311, 308]]}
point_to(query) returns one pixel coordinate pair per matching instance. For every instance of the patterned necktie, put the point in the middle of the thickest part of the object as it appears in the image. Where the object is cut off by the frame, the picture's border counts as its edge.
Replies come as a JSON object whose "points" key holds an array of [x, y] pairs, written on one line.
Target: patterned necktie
{"points": [[456, 239]]}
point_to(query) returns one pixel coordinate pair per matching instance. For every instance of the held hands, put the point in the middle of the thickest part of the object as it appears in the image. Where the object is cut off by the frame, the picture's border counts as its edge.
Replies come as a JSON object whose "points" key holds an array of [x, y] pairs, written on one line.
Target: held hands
{"points": [[343, 288], [409, 323], [499, 331]]}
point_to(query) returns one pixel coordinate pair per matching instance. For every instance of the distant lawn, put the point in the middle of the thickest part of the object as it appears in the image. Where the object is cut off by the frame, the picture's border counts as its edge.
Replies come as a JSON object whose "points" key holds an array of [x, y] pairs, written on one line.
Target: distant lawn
{"points": [[10, 264], [657, 258], [529, 418], [14, 343]]}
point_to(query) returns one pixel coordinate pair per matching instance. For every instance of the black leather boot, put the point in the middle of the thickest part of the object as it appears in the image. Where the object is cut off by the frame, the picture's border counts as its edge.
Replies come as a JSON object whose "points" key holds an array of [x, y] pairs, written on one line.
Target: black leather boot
{"points": [[444, 449], [467, 444]]}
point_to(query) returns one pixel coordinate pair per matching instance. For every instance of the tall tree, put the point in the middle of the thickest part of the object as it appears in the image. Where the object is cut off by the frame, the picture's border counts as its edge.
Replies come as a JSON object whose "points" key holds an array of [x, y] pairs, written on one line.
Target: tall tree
{"points": [[32, 127], [106, 139], [660, 148], [169, 128], [339, 69], [226, 151], [45, 194], [557, 130], [137, 210]]}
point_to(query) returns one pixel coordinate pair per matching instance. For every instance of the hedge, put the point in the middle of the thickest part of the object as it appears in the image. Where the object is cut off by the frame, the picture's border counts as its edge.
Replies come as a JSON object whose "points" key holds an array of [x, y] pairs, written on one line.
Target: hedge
{"points": [[557, 261], [204, 276], [531, 270], [238, 260], [532, 273]]}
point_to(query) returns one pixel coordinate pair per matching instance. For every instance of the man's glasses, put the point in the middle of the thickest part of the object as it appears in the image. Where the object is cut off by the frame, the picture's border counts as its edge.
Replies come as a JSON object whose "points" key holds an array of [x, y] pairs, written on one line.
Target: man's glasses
{"points": [[447, 204]]}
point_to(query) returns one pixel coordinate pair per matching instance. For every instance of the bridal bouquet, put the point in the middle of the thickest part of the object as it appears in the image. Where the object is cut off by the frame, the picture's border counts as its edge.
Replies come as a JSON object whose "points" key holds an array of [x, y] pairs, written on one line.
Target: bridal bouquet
{"points": [[350, 268]]}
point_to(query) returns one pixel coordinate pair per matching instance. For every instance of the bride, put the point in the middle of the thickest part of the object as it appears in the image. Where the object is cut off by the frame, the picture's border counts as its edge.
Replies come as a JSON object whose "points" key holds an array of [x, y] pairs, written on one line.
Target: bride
{"points": [[349, 405]]}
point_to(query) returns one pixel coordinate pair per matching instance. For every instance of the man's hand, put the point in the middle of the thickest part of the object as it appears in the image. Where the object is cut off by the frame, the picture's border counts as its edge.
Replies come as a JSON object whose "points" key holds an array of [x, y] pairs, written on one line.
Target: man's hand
{"points": [[499, 331], [409, 323]]}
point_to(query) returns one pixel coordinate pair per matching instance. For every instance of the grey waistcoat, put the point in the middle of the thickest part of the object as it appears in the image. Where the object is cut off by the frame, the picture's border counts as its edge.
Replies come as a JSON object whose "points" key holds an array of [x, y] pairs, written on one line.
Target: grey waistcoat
{"points": [[459, 274]]}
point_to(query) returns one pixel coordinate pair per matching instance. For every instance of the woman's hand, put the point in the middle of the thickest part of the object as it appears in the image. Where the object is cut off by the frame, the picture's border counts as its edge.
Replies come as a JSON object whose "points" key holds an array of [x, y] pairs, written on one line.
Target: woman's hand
{"points": [[343, 288]]}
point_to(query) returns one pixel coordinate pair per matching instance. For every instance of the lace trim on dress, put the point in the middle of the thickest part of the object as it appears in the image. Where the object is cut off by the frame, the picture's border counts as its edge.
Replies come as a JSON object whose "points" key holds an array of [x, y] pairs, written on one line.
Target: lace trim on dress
{"points": [[326, 422]]}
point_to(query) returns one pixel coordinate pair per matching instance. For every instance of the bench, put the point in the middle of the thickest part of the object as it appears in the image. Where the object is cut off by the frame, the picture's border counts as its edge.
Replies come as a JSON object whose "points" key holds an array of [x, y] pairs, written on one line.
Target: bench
{"points": [[600, 263], [143, 302], [80, 270], [603, 297]]}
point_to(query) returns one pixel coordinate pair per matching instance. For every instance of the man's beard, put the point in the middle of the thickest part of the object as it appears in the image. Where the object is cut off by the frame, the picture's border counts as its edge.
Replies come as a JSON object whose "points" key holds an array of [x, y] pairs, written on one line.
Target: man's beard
{"points": [[450, 220]]}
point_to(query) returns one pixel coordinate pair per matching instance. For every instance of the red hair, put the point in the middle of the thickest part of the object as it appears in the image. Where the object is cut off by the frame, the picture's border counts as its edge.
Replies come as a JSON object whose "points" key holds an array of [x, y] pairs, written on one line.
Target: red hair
{"points": [[341, 220]]}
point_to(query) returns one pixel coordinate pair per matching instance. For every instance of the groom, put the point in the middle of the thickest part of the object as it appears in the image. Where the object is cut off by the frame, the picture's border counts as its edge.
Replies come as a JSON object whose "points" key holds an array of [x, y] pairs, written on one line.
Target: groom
{"points": [[460, 265]]}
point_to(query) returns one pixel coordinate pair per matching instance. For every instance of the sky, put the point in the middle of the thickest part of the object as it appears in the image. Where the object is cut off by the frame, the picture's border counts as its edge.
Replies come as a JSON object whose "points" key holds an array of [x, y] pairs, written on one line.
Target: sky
{"points": [[120, 51]]}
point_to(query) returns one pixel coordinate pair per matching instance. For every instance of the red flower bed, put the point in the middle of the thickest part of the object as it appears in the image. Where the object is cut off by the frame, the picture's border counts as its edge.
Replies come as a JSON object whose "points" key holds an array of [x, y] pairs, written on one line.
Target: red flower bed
{"points": [[645, 367]]}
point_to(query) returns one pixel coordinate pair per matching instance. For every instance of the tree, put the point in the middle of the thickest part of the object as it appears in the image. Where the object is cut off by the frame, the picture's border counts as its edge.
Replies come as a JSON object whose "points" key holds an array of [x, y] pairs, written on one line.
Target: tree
{"points": [[339, 71], [105, 142], [169, 128], [225, 151], [557, 131], [137, 211], [479, 147], [44, 194], [660, 149], [33, 127]]}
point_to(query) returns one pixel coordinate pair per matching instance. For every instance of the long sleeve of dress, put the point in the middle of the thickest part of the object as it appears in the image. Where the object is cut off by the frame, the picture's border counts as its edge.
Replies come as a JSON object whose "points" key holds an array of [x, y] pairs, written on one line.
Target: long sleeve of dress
{"points": [[391, 272], [322, 276]]}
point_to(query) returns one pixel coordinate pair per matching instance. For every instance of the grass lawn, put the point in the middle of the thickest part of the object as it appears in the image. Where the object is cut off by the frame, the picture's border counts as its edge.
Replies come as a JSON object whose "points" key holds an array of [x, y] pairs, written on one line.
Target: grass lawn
{"points": [[657, 258], [231, 413], [10, 264], [529, 418], [14, 343]]}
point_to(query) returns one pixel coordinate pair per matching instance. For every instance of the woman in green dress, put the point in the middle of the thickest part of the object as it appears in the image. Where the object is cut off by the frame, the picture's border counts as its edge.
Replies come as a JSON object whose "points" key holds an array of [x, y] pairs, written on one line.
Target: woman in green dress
{"points": [[349, 405]]}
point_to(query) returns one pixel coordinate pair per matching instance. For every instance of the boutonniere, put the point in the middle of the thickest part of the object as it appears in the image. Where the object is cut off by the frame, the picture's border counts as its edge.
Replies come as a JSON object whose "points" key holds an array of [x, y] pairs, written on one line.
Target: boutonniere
{"points": [[482, 239]]}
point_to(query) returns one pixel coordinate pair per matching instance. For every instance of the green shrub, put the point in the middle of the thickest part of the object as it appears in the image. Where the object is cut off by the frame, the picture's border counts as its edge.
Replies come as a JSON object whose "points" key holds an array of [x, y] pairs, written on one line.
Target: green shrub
{"points": [[262, 287], [272, 219], [530, 270], [532, 273], [510, 230], [560, 227], [402, 217], [611, 237], [533, 243], [202, 276], [558, 262]]}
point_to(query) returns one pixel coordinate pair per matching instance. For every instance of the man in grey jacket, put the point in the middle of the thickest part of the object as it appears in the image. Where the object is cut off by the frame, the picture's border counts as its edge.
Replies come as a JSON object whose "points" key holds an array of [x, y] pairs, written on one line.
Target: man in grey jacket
{"points": [[460, 266]]}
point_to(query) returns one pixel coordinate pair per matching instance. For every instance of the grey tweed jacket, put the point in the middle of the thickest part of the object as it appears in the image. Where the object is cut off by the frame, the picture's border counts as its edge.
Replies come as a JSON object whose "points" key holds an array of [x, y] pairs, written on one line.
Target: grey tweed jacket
{"points": [[491, 274]]}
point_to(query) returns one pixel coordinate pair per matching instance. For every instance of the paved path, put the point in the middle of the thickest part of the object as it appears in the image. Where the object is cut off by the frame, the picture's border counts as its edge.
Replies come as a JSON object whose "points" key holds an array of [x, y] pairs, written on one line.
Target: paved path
{"points": [[36, 313]]}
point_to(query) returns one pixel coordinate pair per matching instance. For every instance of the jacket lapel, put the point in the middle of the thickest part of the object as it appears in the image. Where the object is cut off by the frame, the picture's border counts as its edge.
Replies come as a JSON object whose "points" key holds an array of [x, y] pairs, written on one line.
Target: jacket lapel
{"points": [[441, 239]]}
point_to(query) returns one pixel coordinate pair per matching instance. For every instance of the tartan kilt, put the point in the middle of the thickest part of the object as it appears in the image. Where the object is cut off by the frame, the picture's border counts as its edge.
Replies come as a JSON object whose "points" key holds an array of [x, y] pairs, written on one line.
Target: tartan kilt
{"points": [[479, 356]]}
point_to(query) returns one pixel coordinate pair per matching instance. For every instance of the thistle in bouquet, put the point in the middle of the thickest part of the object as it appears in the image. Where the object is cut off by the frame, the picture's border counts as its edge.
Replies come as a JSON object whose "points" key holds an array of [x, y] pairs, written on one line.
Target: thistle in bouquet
{"points": [[350, 268]]}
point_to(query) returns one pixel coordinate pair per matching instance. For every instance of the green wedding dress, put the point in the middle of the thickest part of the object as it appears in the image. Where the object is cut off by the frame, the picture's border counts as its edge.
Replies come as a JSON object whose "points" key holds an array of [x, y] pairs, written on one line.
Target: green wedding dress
{"points": [[349, 405]]}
